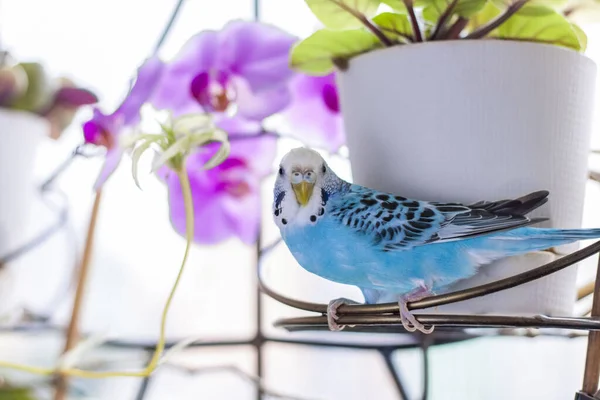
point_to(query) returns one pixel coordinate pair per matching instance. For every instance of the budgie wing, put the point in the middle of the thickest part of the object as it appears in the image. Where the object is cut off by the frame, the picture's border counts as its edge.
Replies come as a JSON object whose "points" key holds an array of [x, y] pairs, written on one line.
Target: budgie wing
{"points": [[397, 223]]}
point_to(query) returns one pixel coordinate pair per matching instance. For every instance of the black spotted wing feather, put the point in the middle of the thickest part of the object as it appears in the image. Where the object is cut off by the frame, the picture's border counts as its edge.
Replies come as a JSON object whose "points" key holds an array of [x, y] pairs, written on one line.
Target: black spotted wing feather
{"points": [[397, 223]]}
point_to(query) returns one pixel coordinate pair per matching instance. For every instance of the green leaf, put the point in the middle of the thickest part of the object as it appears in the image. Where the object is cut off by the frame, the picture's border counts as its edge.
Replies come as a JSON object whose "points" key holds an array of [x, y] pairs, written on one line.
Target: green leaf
{"points": [[395, 26], [190, 124], [468, 8], [178, 148], [135, 160], [535, 10], [487, 13], [433, 9], [581, 36], [396, 5], [465, 8], [543, 4], [343, 14], [315, 54], [549, 27], [221, 155]]}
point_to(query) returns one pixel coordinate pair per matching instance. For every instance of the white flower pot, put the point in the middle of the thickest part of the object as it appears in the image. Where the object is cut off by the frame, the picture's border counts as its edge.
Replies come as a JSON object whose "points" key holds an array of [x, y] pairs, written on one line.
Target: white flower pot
{"points": [[477, 120], [20, 135]]}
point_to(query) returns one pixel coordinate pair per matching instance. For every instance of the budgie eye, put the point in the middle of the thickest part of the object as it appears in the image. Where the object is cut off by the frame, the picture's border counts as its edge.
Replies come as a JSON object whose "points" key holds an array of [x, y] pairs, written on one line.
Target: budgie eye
{"points": [[281, 171], [310, 177], [296, 177], [324, 168]]}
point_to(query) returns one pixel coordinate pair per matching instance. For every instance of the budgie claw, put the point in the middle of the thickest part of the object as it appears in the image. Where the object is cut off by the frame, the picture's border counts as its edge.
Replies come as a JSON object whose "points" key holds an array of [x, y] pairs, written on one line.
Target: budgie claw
{"points": [[332, 316], [409, 322]]}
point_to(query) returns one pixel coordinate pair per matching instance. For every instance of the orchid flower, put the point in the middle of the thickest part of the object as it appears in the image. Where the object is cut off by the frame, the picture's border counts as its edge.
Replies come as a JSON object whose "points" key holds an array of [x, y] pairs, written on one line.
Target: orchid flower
{"points": [[241, 69], [226, 198], [105, 129]]}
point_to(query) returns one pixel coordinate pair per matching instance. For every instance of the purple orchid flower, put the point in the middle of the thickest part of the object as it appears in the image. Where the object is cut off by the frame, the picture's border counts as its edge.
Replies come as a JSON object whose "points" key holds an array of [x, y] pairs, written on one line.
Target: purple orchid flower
{"points": [[226, 198], [314, 113], [245, 64], [104, 130]]}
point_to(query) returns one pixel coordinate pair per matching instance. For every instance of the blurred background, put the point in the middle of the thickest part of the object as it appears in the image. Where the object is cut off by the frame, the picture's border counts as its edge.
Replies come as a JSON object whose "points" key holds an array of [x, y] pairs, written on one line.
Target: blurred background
{"points": [[100, 44]]}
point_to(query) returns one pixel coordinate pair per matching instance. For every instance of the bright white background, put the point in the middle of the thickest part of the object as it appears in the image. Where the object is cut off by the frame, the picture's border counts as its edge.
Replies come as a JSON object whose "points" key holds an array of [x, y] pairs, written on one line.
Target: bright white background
{"points": [[100, 43]]}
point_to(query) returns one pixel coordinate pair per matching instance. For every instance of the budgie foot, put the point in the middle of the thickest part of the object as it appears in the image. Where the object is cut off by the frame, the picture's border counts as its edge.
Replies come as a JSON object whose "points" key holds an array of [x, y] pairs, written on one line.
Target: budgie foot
{"points": [[332, 316], [409, 322]]}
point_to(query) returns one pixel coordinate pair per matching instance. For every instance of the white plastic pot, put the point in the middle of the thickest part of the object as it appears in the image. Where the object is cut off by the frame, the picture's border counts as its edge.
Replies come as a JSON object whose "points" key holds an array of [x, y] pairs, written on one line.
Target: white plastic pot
{"points": [[20, 135], [478, 120]]}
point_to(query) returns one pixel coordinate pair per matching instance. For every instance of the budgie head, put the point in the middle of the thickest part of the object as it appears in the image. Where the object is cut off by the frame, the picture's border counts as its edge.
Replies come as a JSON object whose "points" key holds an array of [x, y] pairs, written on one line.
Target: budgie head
{"points": [[303, 185]]}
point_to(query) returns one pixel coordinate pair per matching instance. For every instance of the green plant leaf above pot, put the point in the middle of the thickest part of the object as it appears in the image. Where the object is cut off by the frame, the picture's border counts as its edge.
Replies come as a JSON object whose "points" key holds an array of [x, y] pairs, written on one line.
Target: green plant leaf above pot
{"points": [[581, 36], [396, 5], [316, 54], [343, 14], [433, 10], [542, 24], [488, 13], [394, 26], [552, 4]]}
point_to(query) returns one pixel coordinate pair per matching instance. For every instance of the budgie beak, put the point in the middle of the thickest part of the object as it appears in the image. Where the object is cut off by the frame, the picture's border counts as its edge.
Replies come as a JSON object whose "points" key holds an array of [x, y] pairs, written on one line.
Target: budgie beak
{"points": [[303, 191]]}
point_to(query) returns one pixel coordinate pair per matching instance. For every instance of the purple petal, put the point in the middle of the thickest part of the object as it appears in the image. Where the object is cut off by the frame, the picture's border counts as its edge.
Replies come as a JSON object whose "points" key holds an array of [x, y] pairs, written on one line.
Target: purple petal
{"points": [[259, 153], [244, 216], [75, 96], [237, 125], [258, 52], [148, 78], [312, 115], [196, 56], [211, 225], [259, 106], [111, 162]]}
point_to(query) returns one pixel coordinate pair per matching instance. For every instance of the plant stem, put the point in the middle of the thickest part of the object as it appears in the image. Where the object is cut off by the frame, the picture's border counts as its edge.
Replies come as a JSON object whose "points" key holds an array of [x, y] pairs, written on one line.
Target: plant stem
{"points": [[443, 19], [413, 20], [365, 21], [456, 28], [160, 346], [486, 29], [73, 329]]}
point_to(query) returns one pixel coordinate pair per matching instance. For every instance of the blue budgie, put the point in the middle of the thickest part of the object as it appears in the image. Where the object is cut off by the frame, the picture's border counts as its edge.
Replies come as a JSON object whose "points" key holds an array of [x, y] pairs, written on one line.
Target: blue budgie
{"points": [[384, 243]]}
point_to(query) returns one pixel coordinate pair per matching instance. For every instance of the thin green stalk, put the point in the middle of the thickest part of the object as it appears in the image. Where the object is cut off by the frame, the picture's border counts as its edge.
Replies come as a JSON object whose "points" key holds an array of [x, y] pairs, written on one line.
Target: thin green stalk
{"points": [[160, 346]]}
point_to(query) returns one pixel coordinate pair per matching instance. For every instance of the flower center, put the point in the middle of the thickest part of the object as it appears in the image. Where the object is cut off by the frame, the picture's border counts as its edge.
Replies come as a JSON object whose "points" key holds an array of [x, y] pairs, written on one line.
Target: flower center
{"points": [[330, 98], [95, 134], [213, 90], [237, 189], [232, 174]]}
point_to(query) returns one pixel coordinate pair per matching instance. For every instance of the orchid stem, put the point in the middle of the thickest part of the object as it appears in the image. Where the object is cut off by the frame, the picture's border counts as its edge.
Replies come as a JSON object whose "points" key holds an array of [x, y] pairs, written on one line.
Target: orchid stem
{"points": [[62, 385], [160, 346]]}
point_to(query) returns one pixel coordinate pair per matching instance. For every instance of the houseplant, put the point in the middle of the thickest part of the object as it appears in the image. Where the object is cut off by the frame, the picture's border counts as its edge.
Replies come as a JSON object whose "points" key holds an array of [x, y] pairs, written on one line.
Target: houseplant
{"points": [[33, 104], [465, 101]]}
